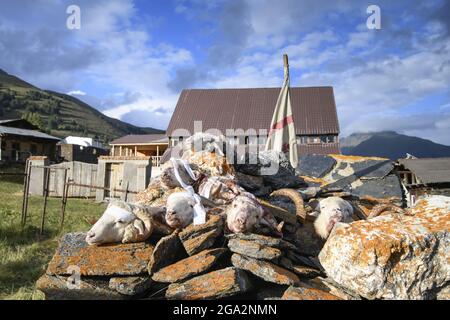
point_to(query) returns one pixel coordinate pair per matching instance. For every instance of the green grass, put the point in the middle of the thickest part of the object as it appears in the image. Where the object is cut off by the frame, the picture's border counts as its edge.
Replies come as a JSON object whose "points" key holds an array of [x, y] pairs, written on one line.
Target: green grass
{"points": [[24, 254]]}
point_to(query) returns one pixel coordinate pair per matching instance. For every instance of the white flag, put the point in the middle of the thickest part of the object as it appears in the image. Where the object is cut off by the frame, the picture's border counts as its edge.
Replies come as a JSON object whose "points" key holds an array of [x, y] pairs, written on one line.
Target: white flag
{"points": [[282, 131]]}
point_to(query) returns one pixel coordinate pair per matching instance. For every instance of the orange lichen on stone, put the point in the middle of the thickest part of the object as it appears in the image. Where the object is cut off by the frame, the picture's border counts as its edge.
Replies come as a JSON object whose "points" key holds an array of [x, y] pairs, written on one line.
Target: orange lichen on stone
{"points": [[214, 285], [345, 158], [189, 267], [265, 270], [211, 162], [394, 248], [307, 293], [314, 180], [104, 260]]}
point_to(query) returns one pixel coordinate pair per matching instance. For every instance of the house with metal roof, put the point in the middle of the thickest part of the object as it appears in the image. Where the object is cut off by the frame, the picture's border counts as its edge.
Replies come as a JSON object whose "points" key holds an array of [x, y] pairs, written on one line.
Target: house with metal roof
{"points": [[18, 141], [241, 114], [424, 176], [142, 145]]}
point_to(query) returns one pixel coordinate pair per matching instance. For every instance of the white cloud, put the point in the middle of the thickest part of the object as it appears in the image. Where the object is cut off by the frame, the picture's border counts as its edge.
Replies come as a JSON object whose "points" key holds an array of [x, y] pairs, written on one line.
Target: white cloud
{"points": [[76, 93]]}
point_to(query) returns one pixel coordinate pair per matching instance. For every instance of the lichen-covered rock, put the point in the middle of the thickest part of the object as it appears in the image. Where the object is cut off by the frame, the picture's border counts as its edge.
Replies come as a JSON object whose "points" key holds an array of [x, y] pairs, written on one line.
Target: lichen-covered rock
{"points": [[305, 272], [444, 294], [214, 285], [330, 286], [189, 267], [105, 260], [168, 250], [209, 163], [130, 286], [62, 288], [196, 238], [393, 256], [265, 270], [253, 249], [305, 292]]}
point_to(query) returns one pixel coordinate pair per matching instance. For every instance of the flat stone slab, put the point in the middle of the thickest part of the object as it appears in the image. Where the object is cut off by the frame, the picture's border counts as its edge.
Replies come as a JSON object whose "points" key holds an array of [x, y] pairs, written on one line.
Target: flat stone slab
{"points": [[315, 165], [58, 288], [306, 272], [106, 260], [364, 169], [196, 238], [283, 179], [130, 286], [265, 270], [305, 292], [388, 187], [189, 267], [253, 249], [168, 250], [393, 256], [214, 285], [263, 240]]}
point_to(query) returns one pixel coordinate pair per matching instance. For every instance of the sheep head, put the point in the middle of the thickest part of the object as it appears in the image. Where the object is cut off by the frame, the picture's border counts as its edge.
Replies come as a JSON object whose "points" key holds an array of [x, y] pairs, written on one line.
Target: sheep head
{"points": [[119, 223], [180, 210], [245, 214], [332, 210]]}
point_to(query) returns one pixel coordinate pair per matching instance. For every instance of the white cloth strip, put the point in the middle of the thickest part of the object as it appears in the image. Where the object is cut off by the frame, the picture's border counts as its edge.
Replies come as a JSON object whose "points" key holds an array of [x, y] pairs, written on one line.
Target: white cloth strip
{"points": [[199, 210]]}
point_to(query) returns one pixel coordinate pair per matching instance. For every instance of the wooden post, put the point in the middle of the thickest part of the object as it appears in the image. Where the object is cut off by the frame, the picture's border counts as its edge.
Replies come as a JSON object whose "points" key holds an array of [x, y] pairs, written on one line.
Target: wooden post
{"points": [[126, 192], [135, 151], [113, 153], [157, 155], [63, 201], [46, 186], [285, 60], [120, 151], [25, 190]]}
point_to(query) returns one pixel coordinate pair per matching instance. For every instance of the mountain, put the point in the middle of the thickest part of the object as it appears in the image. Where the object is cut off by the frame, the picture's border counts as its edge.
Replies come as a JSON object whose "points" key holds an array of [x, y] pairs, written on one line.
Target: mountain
{"points": [[392, 145], [59, 114]]}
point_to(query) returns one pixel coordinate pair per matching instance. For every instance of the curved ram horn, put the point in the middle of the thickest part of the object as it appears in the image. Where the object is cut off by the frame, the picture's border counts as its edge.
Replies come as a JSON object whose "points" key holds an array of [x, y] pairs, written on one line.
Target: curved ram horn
{"points": [[296, 198], [380, 208]]}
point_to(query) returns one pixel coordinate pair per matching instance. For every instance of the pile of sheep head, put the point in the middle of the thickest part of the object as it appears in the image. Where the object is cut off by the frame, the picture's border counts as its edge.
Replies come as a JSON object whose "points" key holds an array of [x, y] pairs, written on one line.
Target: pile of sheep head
{"points": [[245, 214], [331, 211], [123, 222], [328, 211], [179, 210]]}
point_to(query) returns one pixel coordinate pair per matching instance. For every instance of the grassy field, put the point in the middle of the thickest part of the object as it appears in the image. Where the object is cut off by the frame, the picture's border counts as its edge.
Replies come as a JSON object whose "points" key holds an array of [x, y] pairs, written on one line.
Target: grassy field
{"points": [[24, 254]]}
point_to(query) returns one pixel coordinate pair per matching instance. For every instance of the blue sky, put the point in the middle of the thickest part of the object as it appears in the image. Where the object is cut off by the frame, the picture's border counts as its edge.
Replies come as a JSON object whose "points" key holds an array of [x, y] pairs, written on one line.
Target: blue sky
{"points": [[131, 59]]}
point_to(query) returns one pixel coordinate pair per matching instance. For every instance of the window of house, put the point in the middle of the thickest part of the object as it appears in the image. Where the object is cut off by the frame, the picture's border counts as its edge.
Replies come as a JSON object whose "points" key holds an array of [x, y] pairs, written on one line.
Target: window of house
{"points": [[3, 145], [313, 140]]}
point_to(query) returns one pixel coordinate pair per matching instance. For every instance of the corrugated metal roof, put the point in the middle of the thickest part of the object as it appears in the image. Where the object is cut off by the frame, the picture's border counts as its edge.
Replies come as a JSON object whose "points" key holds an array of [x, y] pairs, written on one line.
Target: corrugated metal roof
{"points": [[25, 132], [141, 139], [325, 148], [429, 170], [314, 109]]}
